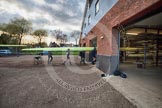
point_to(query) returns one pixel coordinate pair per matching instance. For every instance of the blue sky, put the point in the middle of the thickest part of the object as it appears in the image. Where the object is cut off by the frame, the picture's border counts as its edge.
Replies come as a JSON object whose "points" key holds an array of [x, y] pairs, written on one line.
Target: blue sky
{"points": [[66, 15]]}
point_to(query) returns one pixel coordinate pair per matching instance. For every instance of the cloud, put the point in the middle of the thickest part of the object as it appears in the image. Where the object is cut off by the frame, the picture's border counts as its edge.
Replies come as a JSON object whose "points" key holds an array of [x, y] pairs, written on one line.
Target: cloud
{"points": [[48, 14]]}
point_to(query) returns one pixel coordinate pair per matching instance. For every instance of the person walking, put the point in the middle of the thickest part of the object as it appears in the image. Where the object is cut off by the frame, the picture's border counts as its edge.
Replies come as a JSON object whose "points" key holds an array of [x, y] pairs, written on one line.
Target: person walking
{"points": [[94, 52], [50, 58], [67, 57], [82, 57]]}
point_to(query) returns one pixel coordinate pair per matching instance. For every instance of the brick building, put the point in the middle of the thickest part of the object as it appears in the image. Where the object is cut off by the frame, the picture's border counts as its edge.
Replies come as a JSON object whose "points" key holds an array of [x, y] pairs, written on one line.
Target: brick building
{"points": [[129, 25]]}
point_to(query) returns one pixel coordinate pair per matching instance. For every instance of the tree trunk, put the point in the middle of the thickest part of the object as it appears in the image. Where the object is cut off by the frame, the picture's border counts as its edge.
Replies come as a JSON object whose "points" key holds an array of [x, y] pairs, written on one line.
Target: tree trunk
{"points": [[20, 38]]}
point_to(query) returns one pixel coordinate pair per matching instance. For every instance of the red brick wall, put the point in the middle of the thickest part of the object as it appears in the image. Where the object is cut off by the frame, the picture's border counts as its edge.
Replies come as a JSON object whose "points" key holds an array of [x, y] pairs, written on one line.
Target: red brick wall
{"points": [[122, 12], [84, 41], [126, 9]]}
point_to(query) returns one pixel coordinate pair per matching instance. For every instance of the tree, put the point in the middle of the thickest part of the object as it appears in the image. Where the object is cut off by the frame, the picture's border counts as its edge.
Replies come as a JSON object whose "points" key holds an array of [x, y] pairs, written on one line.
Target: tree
{"points": [[64, 38], [40, 33], [3, 37], [15, 30], [6, 37], [58, 34], [75, 34], [19, 27], [2, 27]]}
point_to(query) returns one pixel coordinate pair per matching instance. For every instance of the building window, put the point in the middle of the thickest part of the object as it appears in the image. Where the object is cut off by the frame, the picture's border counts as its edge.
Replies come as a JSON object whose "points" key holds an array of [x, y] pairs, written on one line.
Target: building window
{"points": [[93, 42], [97, 7], [89, 19]]}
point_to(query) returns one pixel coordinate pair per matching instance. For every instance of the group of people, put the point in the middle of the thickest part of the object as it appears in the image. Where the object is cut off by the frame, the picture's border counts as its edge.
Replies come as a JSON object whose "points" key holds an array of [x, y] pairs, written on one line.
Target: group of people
{"points": [[81, 54], [50, 58]]}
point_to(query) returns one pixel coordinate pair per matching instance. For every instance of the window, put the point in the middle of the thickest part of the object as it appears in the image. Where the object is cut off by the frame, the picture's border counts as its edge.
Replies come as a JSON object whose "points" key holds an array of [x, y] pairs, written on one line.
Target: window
{"points": [[89, 19], [97, 7], [93, 42]]}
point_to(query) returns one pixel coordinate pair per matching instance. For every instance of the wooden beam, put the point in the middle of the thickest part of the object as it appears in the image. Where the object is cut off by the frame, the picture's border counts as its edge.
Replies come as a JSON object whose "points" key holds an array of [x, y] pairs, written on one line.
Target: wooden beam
{"points": [[144, 27]]}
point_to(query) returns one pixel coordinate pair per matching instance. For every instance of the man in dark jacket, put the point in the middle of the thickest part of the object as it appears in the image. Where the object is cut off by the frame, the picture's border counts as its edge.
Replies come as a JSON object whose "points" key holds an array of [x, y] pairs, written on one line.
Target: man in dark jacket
{"points": [[82, 56], [94, 52], [67, 57], [50, 58]]}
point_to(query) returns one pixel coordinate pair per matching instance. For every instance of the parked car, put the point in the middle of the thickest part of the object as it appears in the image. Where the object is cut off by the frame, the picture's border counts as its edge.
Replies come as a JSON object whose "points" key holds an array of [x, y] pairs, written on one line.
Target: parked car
{"points": [[5, 52]]}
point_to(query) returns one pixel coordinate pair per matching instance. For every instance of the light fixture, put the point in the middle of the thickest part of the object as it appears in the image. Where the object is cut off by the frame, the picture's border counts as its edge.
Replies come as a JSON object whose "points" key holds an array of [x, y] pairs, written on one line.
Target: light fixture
{"points": [[102, 37], [132, 33]]}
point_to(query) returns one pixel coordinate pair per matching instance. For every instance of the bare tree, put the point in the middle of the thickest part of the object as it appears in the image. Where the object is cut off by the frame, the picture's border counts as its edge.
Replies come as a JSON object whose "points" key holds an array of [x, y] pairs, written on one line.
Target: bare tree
{"points": [[64, 38], [58, 34], [75, 34]]}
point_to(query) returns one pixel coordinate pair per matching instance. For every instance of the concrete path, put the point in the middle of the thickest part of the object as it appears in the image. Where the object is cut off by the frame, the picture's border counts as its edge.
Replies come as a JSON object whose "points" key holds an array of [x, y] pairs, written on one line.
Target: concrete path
{"points": [[143, 87]]}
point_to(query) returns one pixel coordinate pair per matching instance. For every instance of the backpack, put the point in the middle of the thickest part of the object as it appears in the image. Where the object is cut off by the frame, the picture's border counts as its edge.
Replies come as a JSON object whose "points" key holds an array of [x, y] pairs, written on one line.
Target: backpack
{"points": [[121, 74]]}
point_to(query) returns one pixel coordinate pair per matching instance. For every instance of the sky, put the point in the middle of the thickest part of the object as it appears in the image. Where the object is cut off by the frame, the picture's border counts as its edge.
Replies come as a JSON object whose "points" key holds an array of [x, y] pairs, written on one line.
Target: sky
{"points": [[65, 15]]}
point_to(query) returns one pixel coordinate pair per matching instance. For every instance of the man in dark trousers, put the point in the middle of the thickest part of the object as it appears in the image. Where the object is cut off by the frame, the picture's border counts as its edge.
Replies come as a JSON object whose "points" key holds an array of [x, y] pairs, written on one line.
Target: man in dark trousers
{"points": [[94, 52], [82, 56], [50, 58], [67, 57]]}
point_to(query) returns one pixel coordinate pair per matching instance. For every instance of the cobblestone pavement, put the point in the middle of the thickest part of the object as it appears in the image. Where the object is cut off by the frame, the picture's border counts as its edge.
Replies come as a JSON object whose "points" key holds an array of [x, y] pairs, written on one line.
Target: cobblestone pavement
{"points": [[25, 85]]}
